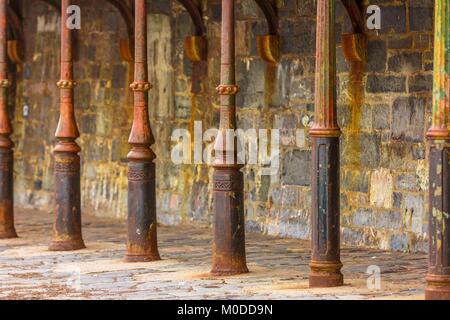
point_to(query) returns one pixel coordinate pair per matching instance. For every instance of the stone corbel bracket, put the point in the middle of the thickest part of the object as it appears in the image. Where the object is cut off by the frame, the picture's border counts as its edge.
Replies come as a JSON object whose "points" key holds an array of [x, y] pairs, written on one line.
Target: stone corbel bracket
{"points": [[15, 45], [126, 49], [126, 46], [195, 46], [354, 44], [269, 44], [269, 47], [15, 52]]}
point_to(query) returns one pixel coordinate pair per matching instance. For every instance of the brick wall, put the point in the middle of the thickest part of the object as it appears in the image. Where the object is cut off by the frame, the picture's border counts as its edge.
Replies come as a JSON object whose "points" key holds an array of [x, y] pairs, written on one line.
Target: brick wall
{"points": [[384, 113]]}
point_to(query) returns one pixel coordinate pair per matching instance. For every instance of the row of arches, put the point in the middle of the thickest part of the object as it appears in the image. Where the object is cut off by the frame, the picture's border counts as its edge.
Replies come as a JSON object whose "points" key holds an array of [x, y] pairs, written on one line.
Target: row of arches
{"points": [[67, 161], [268, 48], [67, 231]]}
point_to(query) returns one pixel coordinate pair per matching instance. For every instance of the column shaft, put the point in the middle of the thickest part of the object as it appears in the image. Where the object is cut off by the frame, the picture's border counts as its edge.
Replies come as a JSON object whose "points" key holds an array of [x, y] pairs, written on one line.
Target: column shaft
{"points": [[229, 222], [438, 277], [67, 233], [142, 242], [325, 263], [7, 229]]}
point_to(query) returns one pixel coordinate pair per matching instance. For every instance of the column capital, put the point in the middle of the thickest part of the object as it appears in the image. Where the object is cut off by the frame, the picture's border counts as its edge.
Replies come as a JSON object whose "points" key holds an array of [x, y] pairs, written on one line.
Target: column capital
{"points": [[5, 83], [142, 86], [66, 84], [227, 89]]}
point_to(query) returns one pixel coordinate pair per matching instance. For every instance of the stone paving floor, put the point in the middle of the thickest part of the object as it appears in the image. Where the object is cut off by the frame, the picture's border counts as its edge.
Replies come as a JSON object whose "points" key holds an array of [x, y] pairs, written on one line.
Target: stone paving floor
{"points": [[279, 267]]}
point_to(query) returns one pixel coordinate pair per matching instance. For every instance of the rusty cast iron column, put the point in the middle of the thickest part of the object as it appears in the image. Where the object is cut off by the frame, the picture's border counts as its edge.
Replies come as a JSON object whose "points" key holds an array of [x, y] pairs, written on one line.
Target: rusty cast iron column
{"points": [[6, 145], [438, 277], [325, 263], [67, 228], [229, 221], [142, 242]]}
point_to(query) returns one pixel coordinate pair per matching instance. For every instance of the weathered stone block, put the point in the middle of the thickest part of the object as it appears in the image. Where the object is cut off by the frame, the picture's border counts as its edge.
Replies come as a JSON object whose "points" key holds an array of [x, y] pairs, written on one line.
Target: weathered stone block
{"points": [[263, 188], [344, 115], [398, 199], [389, 220], [405, 62], [393, 19], [251, 80], [408, 119], [407, 182], [393, 155], [286, 8], [414, 214], [300, 35], [88, 123], [248, 9], [381, 188], [342, 65], [421, 18], [420, 83], [160, 6], [290, 197], [363, 218], [307, 7], [355, 180], [353, 235], [376, 56], [302, 89], [296, 168], [380, 117], [418, 152], [276, 195], [399, 242], [119, 76], [286, 124], [361, 150], [381, 84], [400, 41], [422, 41]]}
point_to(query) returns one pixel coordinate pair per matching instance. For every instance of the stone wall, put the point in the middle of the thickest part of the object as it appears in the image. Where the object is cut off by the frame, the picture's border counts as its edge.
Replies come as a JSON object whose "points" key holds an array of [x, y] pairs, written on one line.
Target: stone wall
{"points": [[103, 107], [384, 113]]}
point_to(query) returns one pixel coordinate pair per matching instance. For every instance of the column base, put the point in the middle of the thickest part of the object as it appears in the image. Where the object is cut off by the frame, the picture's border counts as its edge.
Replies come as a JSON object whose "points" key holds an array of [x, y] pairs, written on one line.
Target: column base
{"points": [[325, 275], [10, 234], [69, 245], [228, 254], [136, 258], [226, 272], [438, 287]]}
